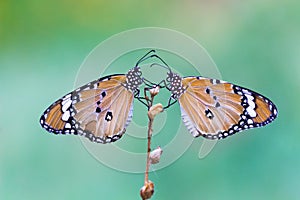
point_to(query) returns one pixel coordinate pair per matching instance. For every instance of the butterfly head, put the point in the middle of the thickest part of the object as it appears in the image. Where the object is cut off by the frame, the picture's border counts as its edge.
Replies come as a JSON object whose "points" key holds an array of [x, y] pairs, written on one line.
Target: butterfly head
{"points": [[133, 79]]}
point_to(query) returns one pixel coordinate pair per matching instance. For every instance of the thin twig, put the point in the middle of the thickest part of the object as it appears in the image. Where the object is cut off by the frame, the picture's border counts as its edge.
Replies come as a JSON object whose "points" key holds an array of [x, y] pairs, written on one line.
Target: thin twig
{"points": [[148, 188], [150, 124], [148, 150]]}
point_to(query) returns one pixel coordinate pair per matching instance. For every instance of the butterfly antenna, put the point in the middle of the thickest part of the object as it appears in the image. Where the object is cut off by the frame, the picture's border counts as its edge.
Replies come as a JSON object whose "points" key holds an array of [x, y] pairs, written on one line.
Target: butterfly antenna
{"points": [[145, 57], [166, 66], [163, 66]]}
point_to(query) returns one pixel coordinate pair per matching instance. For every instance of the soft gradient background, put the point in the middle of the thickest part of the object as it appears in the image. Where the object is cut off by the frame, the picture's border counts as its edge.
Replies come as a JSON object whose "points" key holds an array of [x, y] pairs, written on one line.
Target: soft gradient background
{"points": [[42, 44]]}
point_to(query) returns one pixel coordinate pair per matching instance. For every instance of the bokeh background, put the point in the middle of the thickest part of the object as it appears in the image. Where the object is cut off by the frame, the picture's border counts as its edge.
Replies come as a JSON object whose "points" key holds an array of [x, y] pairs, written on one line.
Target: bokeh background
{"points": [[43, 43]]}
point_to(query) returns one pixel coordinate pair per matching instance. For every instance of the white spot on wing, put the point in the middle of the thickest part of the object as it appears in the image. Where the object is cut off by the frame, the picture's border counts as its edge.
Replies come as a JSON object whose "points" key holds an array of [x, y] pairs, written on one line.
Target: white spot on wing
{"points": [[270, 106], [66, 104], [68, 125], [251, 112], [67, 97], [250, 99], [246, 92], [251, 107], [250, 121], [66, 116]]}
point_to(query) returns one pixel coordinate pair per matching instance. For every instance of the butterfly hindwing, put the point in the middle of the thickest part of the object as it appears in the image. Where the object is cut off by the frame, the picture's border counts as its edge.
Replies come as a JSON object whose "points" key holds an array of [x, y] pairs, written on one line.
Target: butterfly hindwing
{"points": [[216, 109], [100, 110]]}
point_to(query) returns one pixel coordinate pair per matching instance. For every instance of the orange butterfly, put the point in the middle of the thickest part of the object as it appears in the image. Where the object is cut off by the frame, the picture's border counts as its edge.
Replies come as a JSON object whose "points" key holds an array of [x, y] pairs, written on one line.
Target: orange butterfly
{"points": [[99, 110], [216, 109]]}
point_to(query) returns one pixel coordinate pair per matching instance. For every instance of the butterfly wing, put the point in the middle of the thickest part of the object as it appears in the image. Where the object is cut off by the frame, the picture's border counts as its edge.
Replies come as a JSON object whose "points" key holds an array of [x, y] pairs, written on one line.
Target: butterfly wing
{"points": [[216, 109], [100, 110]]}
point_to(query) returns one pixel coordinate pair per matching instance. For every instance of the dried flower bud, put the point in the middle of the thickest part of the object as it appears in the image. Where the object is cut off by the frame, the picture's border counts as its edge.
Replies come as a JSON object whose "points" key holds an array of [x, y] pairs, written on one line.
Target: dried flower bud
{"points": [[154, 110], [154, 91], [147, 190], [155, 155]]}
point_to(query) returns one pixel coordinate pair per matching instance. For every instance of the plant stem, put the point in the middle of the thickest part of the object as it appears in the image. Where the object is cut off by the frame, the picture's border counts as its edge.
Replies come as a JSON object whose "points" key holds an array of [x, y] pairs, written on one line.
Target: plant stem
{"points": [[150, 123], [148, 189]]}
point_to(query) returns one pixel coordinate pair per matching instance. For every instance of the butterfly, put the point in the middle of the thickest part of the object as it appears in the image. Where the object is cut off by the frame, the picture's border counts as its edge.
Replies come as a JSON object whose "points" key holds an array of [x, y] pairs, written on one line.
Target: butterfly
{"points": [[100, 110], [216, 109]]}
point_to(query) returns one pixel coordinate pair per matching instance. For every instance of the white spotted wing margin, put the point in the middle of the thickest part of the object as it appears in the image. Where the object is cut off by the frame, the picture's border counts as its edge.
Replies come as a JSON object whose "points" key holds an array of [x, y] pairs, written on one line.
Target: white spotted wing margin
{"points": [[100, 110], [216, 109]]}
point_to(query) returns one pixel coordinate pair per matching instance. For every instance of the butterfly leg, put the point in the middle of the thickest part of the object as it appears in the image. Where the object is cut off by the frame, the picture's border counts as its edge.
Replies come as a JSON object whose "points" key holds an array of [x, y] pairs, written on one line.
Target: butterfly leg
{"points": [[170, 103], [163, 84], [153, 85], [138, 97], [149, 83], [148, 99]]}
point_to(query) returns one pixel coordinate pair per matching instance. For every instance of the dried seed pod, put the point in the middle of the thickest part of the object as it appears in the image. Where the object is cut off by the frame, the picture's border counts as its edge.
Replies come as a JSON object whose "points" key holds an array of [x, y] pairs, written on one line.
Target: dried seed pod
{"points": [[154, 91], [155, 155], [154, 110], [147, 190]]}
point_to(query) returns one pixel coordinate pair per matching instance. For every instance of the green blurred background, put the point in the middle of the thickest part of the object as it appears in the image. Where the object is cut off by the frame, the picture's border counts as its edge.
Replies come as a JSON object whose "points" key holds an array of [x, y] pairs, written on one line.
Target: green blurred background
{"points": [[43, 43]]}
